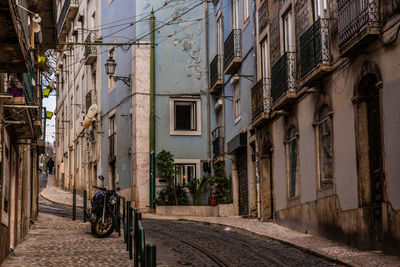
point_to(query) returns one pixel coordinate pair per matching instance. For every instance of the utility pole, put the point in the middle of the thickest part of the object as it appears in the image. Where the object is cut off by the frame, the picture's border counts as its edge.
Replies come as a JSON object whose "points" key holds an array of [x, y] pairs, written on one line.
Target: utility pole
{"points": [[152, 113]]}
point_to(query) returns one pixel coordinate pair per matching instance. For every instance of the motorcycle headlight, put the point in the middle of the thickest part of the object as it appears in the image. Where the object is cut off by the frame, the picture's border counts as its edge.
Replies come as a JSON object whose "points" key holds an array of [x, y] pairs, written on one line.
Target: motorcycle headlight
{"points": [[113, 200]]}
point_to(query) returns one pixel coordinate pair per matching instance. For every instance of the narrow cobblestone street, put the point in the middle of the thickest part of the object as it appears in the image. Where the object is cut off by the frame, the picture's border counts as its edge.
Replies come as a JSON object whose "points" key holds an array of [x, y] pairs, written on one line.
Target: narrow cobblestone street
{"points": [[58, 241]]}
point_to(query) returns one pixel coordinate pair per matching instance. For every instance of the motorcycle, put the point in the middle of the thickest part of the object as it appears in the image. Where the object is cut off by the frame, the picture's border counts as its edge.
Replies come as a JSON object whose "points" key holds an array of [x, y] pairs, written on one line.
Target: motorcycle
{"points": [[102, 214]]}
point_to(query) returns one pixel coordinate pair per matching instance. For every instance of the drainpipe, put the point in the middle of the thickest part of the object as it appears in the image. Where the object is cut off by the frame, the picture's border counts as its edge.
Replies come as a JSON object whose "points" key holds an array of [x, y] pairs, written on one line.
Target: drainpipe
{"points": [[152, 113], [207, 84], [271, 185], [258, 185]]}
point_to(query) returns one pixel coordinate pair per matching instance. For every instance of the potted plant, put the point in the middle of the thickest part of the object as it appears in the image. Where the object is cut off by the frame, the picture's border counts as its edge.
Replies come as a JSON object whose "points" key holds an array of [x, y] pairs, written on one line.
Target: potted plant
{"points": [[197, 187], [14, 86]]}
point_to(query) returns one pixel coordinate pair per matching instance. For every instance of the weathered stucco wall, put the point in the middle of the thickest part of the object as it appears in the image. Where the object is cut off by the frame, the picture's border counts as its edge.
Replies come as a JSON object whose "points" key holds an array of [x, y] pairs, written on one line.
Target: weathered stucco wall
{"points": [[391, 129], [279, 165], [345, 158]]}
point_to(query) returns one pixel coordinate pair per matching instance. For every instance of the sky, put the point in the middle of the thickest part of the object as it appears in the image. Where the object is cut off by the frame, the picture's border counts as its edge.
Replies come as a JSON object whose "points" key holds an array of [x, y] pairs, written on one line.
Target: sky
{"points": [[50, 105]]}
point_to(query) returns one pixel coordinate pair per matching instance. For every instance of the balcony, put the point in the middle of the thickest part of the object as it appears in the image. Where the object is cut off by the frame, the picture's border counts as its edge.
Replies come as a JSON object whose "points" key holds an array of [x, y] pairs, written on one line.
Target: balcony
{"points": [[216, 74], [283, 79], [315, 51], [218, 144], [90, 50], [358, 23], [21, 109], [233, 52], [261, 100], [67, 14], [111, 147]]}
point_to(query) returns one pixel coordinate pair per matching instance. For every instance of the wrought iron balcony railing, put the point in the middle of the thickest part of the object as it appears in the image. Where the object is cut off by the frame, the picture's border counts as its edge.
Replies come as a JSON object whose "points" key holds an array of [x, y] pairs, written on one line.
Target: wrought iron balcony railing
{"points": [[216, 71], [354, 16], [111, 147], [233, 51], [314, 46], [218, 142], [90, 50], [261, 97], [283, 76]]}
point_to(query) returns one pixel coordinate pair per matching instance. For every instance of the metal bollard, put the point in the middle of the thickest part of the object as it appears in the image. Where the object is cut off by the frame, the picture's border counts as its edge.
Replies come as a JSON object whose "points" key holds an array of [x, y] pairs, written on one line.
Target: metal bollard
{"points": [[142, 243], [130, 229], [118, 217], [123, 219], [74, 204], [128, 217], [151, 259], [136, 239], [84, 204]]}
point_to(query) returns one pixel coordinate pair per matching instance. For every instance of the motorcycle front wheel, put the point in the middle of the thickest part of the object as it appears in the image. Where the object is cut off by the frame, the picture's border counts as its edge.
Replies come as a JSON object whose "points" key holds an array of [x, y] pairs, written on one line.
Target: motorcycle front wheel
{"points": [[104, 229]]}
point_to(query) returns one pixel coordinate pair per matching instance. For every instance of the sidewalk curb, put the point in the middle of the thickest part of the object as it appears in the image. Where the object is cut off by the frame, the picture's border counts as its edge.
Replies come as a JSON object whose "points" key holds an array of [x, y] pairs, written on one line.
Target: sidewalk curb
{"points": [[310, 251]]}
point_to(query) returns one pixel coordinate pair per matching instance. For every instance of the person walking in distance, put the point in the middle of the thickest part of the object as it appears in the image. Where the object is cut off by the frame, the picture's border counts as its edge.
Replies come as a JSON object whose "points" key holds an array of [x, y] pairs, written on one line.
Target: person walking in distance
{"points": [[50, 166]]}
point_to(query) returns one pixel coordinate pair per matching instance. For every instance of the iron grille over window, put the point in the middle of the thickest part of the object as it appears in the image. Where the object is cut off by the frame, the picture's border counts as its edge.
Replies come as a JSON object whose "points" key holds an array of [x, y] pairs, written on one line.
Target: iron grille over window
{"points": [[283, 75], [314, 46], [354, 16], [111, 148], [233, 47]]}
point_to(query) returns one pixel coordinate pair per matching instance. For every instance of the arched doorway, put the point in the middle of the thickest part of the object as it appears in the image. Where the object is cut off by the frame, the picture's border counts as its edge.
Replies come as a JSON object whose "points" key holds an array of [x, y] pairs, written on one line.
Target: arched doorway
{"points": [[370, 154]]}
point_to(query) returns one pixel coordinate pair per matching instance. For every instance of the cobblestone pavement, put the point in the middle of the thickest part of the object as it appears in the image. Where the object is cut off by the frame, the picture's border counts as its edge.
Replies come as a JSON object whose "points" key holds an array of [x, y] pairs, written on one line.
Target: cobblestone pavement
{"points": [[58, 241]]}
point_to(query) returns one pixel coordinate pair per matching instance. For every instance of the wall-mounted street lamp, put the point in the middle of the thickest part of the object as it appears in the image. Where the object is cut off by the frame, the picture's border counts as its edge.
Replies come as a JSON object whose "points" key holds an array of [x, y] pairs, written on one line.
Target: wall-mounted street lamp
{"points": [[110, 66]]}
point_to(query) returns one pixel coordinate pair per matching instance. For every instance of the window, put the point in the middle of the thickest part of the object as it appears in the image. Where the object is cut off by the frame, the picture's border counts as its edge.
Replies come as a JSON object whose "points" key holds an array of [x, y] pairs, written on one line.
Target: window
{"points": [[235, 14], [185, 173], [246, 10], [292, 160], [265, 60], [88, 101], [83, 92], [324, 135], [72, 113], [187, 170], [236, 101], [319, 8], [220, 36], [77, 156], [111, 137], [186, 116], [288, 32], [75, 105]]}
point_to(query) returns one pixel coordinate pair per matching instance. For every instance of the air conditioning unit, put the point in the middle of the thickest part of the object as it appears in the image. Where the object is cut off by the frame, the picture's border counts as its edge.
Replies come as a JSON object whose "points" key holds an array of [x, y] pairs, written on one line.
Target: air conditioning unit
{"points": [[219, 103]]}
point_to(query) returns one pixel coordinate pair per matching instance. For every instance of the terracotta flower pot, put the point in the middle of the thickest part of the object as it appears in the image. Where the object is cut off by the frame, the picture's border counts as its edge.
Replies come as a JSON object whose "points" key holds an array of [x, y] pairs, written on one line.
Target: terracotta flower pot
{"points": [[212, 201]]}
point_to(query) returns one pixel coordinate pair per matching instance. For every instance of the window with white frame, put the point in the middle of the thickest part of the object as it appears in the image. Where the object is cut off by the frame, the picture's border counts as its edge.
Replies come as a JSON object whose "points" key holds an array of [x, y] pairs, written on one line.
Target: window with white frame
{"points": [[112, 137], [288, 32], [246, 10], [75, 105], [319, 8], [292, 160], [185, 116], [72, 113], [220, 36], [77, 156], [265, 59], [236, 100], [235, 14], [325, 147], [185, 173], [186, 170]]}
